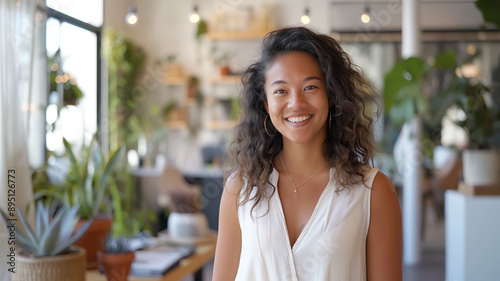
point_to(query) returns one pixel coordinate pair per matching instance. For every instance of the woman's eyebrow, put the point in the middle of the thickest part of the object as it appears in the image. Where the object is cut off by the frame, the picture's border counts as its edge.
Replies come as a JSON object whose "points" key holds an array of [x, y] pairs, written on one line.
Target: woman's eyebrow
{"points": [[278, 82], [305, 80], [312, 78]]}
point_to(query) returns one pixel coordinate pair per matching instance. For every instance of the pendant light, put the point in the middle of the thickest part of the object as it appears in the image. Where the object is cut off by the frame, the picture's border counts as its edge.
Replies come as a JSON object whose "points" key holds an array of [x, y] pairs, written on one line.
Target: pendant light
{"points": [[365, 17], [132, 17], [194, 17]]}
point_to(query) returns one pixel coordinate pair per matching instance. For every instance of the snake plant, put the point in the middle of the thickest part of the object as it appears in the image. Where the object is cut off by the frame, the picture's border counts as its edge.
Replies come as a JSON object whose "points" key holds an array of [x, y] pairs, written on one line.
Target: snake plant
{"points": [[54, 233], [87, 180]]}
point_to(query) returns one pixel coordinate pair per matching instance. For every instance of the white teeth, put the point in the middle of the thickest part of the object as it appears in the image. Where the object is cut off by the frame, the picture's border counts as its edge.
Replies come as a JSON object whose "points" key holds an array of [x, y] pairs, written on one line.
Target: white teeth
{"points": [[298, 119]]}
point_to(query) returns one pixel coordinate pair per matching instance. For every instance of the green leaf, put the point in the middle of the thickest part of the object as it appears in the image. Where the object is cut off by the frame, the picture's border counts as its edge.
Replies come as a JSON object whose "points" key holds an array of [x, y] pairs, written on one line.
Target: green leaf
{"points": [[110, 166], [446, 60], [405, 74], [25, 243], [27, 228], [490, 10], [42, 220], [80, 231], [50, 238], [72, 158]]}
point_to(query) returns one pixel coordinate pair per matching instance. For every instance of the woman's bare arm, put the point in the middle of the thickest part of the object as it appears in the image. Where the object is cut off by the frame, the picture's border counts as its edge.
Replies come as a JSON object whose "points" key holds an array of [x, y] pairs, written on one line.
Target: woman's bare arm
{"points": [[384, 242], [227, 253]]}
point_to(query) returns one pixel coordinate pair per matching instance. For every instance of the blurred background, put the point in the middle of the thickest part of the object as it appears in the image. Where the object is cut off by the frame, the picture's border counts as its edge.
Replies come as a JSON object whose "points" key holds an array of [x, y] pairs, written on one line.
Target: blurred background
{"points": [[162, 78]]}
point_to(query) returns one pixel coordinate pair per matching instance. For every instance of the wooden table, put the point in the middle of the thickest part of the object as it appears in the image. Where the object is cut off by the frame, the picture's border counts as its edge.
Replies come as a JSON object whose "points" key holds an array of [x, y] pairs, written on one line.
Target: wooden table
{"points": [[190, 265]]}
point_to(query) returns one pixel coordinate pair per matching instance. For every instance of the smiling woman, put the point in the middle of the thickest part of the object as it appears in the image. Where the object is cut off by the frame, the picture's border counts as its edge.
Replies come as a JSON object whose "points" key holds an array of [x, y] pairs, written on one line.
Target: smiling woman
{"points": [[283, 214]]}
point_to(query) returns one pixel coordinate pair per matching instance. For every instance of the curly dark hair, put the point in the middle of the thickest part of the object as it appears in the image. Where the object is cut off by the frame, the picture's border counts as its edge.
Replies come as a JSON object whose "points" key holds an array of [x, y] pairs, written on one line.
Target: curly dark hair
{"points": [[349, 144]]}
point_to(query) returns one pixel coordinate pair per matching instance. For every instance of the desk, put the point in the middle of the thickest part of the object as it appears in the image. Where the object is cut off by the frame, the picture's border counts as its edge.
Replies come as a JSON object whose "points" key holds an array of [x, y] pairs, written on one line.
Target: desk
{"points": [[187, 266]]}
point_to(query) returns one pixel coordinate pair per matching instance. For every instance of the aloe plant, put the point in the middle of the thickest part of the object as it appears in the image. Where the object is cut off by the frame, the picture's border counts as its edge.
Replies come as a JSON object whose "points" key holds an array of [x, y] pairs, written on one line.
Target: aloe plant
{"points": [[54, 233], [86, 182], [117, 244]]}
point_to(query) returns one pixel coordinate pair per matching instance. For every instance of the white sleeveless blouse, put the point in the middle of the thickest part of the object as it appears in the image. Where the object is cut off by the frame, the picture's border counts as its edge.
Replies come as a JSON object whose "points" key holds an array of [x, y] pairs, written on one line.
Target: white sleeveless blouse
{"points": [[332, 245]]}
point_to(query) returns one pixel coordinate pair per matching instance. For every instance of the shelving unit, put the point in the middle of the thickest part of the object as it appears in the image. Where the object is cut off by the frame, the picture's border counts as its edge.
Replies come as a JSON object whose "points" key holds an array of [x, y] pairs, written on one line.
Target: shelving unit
{"points": [[226, 79], [218, 89]]}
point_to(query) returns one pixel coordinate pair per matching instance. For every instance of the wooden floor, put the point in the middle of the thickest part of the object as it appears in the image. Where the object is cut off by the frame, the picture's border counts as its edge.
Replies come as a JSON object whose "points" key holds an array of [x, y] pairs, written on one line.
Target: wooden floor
{"points": [[432, 265]]}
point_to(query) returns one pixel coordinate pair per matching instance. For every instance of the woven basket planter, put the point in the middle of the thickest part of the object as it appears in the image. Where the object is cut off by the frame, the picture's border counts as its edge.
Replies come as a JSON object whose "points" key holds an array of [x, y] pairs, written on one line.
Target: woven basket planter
{"points": [[68, 267]]}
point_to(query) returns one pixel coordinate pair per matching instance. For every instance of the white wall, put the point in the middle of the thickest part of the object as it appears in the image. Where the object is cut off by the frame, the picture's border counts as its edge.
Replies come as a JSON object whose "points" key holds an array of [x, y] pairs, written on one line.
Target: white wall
{"points": [[434, 15], [164, 29]]}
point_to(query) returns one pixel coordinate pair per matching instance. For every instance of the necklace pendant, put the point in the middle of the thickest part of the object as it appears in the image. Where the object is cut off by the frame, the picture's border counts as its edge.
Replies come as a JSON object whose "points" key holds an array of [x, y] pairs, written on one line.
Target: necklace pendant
{"points": [[296, 193]]}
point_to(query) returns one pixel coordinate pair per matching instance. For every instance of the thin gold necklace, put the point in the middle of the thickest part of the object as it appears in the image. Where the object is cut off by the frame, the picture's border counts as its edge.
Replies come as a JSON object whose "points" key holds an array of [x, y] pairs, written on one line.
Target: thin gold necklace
{"points": [[296, 190]]}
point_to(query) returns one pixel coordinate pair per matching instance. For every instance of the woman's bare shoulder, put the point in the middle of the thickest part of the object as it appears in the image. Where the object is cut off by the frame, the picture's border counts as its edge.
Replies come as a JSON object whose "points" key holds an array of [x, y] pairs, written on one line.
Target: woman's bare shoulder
{"points": [[234, 184]]}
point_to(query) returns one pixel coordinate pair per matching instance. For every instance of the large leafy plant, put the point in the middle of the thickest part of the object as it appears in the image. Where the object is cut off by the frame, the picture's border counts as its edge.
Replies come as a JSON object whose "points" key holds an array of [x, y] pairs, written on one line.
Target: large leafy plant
{"points": [[86, 182], [403, 94], [481, 119], [404, 97], [54, 232]]}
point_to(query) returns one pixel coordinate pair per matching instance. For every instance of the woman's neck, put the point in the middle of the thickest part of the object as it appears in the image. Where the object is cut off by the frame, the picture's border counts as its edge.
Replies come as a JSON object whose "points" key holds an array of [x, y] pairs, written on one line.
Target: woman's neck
{"points": [[301, 158]]}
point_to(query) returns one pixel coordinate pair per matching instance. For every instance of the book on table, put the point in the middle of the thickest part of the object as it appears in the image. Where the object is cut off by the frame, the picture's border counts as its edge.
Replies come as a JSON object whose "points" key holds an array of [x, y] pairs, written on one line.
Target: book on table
{"points": [[157, 261]]}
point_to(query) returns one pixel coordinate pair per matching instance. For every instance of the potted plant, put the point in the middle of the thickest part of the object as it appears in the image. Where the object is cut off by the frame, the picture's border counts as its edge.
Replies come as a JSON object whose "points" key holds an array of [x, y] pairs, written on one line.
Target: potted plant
{"points": [[85, 185], [71, 92], [481, 120], [117, 255], [45, 252], [116, 258]]}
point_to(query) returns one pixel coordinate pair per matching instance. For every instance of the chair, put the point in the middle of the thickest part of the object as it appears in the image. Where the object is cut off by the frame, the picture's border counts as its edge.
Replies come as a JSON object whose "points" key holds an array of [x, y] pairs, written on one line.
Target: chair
{"points": [[438, 181], [175, 193]]}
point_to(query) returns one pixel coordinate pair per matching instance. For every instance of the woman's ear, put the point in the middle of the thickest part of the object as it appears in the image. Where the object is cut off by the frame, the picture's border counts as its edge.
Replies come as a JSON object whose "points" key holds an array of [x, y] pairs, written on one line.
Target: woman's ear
{"points": [[266, 106]]}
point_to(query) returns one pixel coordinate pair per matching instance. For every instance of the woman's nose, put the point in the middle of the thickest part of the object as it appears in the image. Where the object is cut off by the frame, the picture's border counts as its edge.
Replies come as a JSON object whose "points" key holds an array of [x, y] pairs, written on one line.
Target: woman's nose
{"points": [[296, 100]]}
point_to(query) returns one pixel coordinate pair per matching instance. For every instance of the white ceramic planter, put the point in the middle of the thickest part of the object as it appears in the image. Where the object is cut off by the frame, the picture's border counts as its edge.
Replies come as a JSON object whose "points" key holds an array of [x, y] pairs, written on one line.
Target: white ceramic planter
{"points": [[481, 167], [187, 225]]}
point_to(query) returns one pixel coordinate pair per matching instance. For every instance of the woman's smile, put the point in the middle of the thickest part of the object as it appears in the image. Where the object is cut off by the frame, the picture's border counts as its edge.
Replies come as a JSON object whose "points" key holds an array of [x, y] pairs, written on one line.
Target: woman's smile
{"points": [[297, 101]]}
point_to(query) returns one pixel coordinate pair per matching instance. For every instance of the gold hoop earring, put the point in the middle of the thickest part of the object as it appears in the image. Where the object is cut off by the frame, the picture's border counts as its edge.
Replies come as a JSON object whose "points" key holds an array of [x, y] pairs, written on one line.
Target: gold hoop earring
{"points": [[265, 127], [330, 120]]}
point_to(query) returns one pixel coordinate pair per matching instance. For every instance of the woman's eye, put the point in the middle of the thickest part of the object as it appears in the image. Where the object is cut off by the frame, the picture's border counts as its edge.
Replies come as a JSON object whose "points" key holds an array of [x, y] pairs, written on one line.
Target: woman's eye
{"points": [[279, 91], [310, 88]]}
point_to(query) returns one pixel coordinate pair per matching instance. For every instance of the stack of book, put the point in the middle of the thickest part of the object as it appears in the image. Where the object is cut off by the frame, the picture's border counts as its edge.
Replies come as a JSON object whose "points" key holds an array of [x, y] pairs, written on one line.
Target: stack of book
{"points": [[157, 261]]}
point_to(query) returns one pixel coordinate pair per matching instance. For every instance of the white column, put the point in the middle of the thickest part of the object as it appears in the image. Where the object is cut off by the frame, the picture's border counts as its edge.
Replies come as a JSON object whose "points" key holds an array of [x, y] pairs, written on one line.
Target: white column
{"points": [[412, 175]]}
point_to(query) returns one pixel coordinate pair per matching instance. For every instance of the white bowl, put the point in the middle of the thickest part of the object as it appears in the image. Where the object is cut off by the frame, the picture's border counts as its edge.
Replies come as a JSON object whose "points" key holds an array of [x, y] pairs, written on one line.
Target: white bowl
{"points": [[187, 225]]}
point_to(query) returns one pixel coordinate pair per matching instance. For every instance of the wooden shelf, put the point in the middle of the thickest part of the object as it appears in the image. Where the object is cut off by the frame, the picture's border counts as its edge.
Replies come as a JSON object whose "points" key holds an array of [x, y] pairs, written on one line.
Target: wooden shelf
{"points": [[177, 125], [175, 81], [236, 35], [221, 125], [203, 254], [226, 79]]}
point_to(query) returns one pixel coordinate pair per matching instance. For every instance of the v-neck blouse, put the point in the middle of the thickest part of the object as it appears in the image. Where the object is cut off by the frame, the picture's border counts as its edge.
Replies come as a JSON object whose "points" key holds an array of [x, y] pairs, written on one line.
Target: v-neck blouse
{"points": [[332, 245]]}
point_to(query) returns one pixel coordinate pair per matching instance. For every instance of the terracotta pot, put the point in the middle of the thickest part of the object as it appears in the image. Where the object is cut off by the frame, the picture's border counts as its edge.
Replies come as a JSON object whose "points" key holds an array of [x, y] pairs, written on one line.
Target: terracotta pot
{"points": [[116, 266], [95, 236], [67, 267], [224, 70]]}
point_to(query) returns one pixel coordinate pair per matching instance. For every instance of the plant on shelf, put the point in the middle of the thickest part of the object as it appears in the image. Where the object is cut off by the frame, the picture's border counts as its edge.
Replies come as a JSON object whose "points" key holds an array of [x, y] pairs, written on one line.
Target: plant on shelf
{"points": [[116, 258], [480, 120], [117, 255], [46, 253]]}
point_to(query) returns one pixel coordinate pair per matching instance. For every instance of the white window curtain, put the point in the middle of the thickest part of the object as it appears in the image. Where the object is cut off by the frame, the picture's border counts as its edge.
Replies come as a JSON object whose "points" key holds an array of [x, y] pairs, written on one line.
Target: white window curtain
{"points": [[17, 31]]}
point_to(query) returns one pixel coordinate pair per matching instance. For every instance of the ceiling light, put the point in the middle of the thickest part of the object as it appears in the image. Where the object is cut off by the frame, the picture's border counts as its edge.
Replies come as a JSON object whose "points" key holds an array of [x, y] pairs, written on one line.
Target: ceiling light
{"points": [[365, 17], [305, 17], [132, 16], [194, 17]]}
